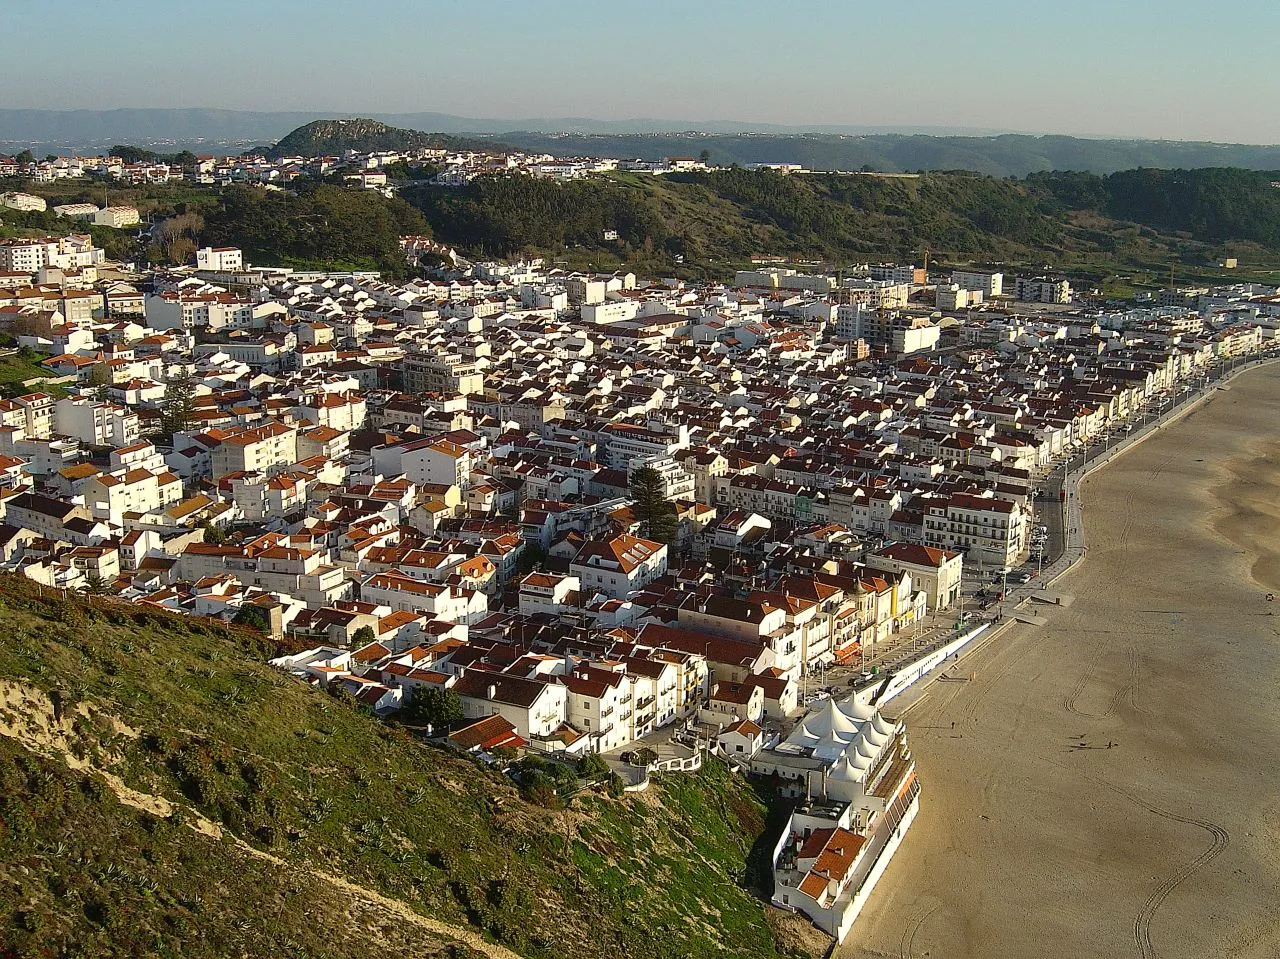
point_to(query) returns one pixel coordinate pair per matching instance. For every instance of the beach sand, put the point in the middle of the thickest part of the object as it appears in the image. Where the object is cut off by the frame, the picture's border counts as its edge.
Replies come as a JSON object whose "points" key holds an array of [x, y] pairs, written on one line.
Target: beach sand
{"points": [[1167, 844]]}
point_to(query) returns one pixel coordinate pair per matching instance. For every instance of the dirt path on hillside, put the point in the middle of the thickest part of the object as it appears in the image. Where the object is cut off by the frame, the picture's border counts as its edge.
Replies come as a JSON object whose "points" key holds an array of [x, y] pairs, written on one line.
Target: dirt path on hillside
{"points": [[28, 716]]}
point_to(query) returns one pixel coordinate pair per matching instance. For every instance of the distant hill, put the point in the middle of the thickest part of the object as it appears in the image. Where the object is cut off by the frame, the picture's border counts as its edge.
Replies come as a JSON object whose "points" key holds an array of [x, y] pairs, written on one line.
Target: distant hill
{"points": [[1006, 155], [333, 137], [833, 147]]}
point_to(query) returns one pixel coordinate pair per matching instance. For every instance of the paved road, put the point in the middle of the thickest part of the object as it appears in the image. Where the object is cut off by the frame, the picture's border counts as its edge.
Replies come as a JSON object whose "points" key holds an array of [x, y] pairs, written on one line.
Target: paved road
{"points": [[1065, 517], [1067, 547]]}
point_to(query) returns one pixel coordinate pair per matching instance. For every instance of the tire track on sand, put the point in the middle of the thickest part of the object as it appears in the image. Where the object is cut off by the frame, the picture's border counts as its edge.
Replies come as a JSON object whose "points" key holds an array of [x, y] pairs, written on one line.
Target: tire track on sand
{"points": [[1132, 513], [1220, 839], [1073, 697], [1129, 691], [906, 948], [1001, 662]]}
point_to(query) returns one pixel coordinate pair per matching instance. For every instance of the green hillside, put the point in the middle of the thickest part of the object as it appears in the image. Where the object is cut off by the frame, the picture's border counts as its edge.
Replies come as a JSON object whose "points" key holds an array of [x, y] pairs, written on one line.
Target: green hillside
{"points": [[314, 225], [162, 792], [1091, 226], [334, 137], [1121, 232]]}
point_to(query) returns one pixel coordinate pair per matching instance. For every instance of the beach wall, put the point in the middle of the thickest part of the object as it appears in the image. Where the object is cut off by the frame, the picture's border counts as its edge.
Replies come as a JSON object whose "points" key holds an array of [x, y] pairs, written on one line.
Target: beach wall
{"points": [[860, 898], [912, 673]]}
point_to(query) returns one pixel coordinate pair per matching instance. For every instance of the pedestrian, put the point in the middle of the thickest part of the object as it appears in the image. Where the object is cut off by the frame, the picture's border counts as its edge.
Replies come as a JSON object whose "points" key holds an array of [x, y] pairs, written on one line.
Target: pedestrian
{"points": [[953, 724]]}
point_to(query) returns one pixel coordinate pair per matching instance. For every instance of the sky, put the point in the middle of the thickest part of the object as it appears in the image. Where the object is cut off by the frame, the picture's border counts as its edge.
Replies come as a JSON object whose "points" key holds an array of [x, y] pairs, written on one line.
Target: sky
{"points": [[1161, 69]]}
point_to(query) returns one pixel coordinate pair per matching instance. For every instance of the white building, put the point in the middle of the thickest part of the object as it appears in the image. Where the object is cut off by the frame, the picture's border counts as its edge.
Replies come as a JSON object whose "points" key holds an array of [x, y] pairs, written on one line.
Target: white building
{"points": [[77, 211], [857, 771], [1042, 289], [24, 202], [956, 297], [547, 593], [619, 566], [990, 285], [220, 259], [118, 217], [96, 424]]}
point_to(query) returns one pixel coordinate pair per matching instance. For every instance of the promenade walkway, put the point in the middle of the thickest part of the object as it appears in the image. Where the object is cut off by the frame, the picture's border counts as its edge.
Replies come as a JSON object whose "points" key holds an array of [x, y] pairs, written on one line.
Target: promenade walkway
{"points": [[1067, 521]]}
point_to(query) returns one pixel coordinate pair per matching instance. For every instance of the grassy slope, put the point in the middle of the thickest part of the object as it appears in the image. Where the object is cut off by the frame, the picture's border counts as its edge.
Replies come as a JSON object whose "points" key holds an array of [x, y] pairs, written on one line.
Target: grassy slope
{"points": [[312, 781], [720, 220]]}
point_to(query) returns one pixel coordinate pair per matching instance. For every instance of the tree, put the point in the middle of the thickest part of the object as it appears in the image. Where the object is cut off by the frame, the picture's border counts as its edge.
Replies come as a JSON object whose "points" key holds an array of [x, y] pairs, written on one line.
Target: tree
{"points": [[363, 637], [95, 585], [213, 535], [705, 156], [645, 757], [532, 556], [24, 158], [657, 516], [432, 706], [252, 618], [96, 381], [592, 766], [176, 237], [616, 786], [182, 250], [177, 410]]}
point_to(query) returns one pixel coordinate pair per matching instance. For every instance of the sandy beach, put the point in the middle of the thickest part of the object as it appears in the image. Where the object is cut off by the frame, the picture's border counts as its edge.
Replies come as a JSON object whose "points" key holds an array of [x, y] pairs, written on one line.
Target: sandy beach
{"points": [[1036, 839]]}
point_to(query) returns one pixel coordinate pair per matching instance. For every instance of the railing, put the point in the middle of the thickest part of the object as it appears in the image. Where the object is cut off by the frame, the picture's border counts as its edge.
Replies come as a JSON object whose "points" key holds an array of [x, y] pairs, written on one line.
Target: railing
{"points": [[677, 765], [885, 828]]}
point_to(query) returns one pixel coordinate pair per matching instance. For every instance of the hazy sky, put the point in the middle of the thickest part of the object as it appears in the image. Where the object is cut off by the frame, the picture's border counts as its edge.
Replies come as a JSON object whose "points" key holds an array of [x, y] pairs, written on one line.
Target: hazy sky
{"points": [[1146, 68]]}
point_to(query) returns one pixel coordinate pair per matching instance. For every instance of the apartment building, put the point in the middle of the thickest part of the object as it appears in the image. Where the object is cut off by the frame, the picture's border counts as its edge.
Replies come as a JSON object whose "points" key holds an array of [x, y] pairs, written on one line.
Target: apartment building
{"points": [[265, 449], [620, 565], [988, 531], [96, 424], [1042, 289]]}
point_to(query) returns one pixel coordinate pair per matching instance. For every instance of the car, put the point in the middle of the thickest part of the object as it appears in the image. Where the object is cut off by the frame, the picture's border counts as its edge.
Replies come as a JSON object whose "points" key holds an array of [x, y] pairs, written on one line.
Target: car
{"points": [[1025, 578]]}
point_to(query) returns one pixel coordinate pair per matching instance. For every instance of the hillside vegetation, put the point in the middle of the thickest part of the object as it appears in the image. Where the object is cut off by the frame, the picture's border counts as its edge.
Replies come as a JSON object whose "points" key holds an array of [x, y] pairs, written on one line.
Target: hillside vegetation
{"points": [[713, 220], [334, 137], [316, 225], [1122, 231], [163, 792]]}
